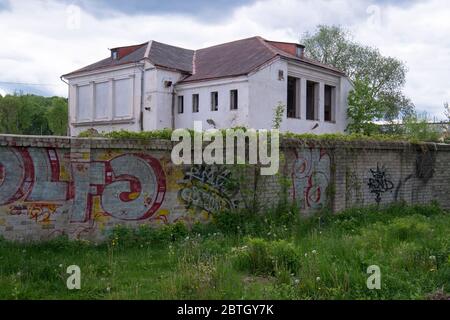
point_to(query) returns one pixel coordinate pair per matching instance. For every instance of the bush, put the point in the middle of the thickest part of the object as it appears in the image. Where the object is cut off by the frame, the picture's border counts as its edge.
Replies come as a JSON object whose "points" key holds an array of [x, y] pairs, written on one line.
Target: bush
{"points": [[261, 257]]}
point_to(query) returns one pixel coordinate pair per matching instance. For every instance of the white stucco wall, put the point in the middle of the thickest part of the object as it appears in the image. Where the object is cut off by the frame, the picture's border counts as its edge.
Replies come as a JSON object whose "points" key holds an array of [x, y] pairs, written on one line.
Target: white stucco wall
{"points": [[158, 99], [119, 91], [223, 117], [267, 91]]}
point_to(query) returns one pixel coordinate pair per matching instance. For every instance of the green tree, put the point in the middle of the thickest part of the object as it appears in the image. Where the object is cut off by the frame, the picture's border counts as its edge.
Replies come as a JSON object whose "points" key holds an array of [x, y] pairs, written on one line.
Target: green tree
{"points": [[57, 116], [362, 109], [33, 115], [383, 77], [9, 114]]}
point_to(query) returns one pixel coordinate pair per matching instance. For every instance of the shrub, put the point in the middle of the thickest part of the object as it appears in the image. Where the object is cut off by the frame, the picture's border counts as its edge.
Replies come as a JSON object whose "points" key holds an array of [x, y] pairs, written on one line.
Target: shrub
{"points": [[263, 257]]}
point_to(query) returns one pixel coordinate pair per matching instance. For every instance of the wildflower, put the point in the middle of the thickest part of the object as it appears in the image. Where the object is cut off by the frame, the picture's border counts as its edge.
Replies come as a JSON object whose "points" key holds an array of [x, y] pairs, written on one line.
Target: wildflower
{"points": [[306, 255], [433, 258], [314, 252], [318, 279], [108, 289], [296, 281], [187, 238], [60, 265]]}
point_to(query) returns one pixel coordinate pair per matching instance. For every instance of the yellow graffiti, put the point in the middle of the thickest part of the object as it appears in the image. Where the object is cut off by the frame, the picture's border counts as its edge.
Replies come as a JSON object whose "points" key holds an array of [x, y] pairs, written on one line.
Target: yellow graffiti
{"points": [[98, 214], [109, 154], [173, 174]]}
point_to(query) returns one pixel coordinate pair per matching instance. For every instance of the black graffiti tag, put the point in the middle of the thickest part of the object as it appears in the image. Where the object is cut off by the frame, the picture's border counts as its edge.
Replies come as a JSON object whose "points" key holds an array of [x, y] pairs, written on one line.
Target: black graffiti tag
{"points": [[379, 183]]}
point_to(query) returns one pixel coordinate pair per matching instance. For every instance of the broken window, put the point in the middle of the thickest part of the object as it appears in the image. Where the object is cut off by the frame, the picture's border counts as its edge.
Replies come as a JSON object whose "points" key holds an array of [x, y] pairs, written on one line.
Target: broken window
{"points": [[214, 101], [311, 100], [233, 99], [195, 103], [180, 104], [329, 103], [293, 99]]}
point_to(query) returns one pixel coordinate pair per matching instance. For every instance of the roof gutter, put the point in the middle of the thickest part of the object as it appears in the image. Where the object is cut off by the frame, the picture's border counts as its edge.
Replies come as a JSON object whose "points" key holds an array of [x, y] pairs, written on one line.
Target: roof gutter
{"points": [[141, 102]]}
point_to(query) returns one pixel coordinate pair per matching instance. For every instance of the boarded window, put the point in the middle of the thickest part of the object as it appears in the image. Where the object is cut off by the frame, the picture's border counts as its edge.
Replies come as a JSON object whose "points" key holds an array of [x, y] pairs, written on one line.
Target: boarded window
{"points": [[101, 100], [293, 105], [311, 100], [195, 103], [214, 101], [84, 103], [329, 102], [234, 99], [180, 104], [123, 98]]}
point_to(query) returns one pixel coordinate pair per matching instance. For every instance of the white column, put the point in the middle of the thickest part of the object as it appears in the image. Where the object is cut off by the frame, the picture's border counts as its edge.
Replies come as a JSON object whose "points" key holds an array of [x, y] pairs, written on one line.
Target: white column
{"points": [[302, 98], [321, 101], [92, 87], [111, 107]]}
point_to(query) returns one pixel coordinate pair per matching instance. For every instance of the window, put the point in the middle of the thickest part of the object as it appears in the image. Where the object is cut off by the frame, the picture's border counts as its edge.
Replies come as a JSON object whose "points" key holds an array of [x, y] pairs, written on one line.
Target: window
{"points": [[123, 99], [329, 103], [84, 100], [195, 100], [311, 100], [214, 101], [293, 105], [233, 99], [101, 100], [180, 104]]}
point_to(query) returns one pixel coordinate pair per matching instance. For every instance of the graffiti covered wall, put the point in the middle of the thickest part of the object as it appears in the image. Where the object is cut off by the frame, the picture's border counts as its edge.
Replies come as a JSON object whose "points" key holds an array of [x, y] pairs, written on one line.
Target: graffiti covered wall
{"points": [[84, 187]]}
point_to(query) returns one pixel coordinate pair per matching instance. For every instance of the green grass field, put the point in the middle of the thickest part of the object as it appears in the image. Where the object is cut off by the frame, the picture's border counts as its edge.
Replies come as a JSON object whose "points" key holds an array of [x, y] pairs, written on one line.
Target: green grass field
{"points": [[244, 256]]}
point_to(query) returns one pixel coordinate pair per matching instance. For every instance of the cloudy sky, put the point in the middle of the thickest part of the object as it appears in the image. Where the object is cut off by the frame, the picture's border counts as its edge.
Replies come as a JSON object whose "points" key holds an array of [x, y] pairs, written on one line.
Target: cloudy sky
{"points": [[42, 39]]}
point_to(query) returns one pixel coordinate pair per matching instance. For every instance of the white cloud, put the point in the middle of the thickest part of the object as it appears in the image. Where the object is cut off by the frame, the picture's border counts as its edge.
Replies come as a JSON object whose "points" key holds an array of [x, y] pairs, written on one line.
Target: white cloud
{"points": [[40, 40], [2, 92]]}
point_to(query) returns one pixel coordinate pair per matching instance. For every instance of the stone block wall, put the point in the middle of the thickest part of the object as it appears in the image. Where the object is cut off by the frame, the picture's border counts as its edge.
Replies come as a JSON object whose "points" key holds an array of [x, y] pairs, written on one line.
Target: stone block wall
{"points": [[82, 188]]}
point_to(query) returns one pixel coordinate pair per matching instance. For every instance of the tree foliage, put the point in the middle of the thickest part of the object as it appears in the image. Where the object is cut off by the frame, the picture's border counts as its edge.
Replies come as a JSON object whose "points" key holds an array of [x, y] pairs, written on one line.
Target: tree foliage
{"points": [[33, 115], [380, 78]]}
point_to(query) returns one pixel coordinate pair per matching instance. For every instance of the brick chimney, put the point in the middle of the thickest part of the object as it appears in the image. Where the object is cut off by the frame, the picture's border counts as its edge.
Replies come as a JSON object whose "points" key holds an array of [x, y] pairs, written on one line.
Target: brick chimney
{"points": [[294, 49]]}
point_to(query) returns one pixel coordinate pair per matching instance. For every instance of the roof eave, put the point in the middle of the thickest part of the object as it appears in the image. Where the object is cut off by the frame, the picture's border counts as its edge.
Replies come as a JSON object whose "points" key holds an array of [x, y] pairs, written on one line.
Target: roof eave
{"points": [[82, 73], [341, 73]]}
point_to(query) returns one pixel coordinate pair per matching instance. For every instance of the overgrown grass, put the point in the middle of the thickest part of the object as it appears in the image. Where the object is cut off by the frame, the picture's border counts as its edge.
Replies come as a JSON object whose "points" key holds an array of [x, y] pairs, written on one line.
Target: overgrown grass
{"points": [[246, 256]]}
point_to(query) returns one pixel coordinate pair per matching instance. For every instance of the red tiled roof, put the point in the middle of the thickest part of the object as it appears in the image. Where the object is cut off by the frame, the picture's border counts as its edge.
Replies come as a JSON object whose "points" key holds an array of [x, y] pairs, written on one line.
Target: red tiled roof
{"points": [[225, 60]]}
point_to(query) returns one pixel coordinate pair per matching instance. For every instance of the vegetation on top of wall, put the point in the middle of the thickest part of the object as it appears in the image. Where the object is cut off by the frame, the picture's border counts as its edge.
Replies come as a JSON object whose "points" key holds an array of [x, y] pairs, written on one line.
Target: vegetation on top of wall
{"points": [[416, 136]]}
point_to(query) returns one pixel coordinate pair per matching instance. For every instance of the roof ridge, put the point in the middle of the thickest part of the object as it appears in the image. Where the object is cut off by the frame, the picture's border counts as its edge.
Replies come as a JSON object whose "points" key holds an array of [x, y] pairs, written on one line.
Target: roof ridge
{"points": [[171, 45], [194, 62], [267, 45], [226, 43], [147, 51]]}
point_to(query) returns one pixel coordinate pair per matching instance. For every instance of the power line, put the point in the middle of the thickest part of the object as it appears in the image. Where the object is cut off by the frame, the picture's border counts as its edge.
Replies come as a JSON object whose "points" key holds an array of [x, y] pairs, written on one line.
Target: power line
{"points": [[31, 84]]}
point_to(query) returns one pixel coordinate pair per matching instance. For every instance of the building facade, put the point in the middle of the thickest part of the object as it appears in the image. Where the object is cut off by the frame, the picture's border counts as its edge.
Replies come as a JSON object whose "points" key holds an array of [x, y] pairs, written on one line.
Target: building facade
{"points": [[154, 86]]}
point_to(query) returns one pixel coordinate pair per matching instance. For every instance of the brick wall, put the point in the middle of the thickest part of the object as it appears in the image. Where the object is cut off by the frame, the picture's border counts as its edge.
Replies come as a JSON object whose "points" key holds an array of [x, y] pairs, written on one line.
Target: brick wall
{"points": [[84, 187]]}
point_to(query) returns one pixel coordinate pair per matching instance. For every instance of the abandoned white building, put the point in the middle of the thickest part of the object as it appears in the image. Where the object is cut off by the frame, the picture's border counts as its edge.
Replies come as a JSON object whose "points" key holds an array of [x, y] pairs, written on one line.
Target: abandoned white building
{"points": [[154, 86]]}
